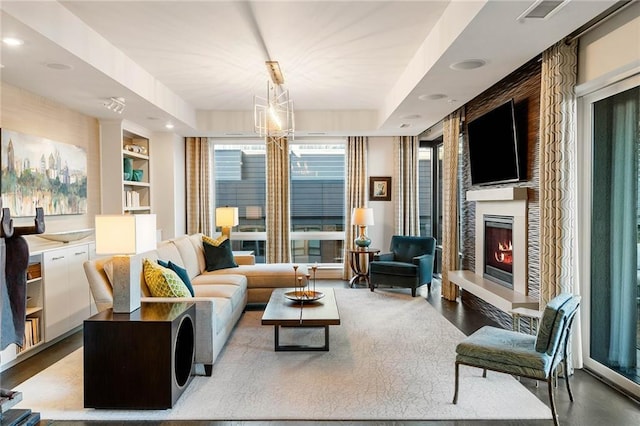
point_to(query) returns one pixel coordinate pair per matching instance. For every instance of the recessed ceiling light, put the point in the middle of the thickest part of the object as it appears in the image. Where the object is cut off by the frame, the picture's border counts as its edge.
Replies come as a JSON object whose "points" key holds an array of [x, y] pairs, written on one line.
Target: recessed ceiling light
{"points": [[432, 97], [12, 41], [411, 117], [169, 126], [468, 64], [59, 67]]}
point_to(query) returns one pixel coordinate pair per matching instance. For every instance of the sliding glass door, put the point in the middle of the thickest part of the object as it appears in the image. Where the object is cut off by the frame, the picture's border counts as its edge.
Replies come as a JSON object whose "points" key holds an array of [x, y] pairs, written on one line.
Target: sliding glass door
{"points": [[613, 117]]}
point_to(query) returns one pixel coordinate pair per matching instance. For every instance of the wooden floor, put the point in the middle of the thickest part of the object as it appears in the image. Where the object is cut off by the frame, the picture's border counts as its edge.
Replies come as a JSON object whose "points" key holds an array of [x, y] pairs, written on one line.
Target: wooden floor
{"points": [[595, 402]]}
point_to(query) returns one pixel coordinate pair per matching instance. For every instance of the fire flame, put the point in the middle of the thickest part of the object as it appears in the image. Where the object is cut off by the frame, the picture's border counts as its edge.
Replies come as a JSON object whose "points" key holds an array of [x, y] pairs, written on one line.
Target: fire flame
{"points": [[504, 254]]}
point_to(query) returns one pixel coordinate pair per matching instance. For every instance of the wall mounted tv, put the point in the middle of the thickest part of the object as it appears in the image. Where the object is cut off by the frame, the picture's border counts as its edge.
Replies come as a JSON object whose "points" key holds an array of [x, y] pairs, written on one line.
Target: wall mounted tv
{"points": [[495, 154]]}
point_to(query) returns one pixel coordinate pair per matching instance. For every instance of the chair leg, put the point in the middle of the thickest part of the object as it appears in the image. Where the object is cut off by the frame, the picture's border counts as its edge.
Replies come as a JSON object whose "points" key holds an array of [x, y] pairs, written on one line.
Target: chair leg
{"points": [[551, 400], [429, 287], [413, 292], [455, 393], [484, 373], [566, 379]]}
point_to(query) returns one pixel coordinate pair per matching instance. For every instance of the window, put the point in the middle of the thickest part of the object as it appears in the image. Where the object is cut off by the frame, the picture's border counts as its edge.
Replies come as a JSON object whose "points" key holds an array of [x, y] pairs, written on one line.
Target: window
{"points": [[317, 201], [430, 155], [239, 171], [317, 197]]}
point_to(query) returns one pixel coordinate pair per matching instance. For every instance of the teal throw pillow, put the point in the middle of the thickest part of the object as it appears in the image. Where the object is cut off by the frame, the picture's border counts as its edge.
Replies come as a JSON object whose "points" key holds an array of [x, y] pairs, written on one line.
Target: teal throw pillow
{"points": [[218, 257], [181, 272]]}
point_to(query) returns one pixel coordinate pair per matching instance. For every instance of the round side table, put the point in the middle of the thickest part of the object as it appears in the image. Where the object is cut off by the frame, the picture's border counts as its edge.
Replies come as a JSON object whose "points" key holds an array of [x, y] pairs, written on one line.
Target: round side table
{"points": [[359, 266]]}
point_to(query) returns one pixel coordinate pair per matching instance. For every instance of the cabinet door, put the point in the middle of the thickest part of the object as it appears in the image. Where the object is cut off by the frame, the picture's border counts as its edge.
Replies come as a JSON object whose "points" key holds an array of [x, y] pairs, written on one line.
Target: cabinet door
{"points": [[78, 297], [66, 290], [55, 293]]}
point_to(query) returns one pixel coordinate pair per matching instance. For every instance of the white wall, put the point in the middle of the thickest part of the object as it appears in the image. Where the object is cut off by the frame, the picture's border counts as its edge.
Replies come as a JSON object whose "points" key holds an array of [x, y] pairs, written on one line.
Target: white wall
{"points": [[169, 193], [380, 163], [31, 114]]}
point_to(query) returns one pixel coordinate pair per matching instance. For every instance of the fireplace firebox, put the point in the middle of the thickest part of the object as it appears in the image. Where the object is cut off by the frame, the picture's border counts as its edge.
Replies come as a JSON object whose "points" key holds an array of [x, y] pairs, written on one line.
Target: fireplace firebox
{"points": [[498, 249]]}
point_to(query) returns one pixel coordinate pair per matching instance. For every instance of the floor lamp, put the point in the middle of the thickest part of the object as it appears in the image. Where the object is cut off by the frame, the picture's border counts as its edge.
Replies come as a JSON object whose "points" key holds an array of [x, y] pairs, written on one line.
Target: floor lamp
{"points": [[125, 237]]}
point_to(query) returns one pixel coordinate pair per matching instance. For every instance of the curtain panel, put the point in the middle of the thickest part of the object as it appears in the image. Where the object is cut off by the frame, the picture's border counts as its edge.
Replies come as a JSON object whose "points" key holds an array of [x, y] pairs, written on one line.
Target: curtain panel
{"points": [[558, 177], [356, 186], [451, 138], [198, 169], [278, 247], [407, 213]]}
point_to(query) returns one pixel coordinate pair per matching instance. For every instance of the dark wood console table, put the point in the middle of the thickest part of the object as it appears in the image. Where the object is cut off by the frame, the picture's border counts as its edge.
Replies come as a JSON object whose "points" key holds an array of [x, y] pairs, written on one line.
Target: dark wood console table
{"points": [[140, 360]]}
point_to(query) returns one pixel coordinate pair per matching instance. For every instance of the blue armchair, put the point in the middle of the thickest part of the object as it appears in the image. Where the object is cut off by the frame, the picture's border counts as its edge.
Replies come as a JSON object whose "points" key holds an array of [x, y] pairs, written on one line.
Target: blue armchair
{"points": [[409, 263], [519, 354]]}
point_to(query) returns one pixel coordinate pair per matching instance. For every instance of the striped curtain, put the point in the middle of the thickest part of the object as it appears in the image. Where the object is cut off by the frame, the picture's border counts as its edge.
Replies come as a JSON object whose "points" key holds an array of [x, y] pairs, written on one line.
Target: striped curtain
{"points": [[450, 212], [407, 214], [558, 177], [356, 191], [278, 247], [199, 211]]}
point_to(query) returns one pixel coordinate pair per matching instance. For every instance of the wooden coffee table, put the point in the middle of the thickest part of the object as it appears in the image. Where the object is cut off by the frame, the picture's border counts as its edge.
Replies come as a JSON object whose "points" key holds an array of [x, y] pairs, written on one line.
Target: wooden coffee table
{"points": [[282, 312]]}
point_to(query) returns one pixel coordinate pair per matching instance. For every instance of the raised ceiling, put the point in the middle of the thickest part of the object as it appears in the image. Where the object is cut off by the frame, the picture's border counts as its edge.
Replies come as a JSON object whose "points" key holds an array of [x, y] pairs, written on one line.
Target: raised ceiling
{"points": [[358, 67]]}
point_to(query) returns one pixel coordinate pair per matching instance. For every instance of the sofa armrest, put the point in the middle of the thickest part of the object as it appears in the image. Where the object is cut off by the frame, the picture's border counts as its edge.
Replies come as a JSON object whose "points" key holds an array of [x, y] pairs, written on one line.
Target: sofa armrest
{"points": [[245, 259], [205, 323], [425, 265], [383, 256]]}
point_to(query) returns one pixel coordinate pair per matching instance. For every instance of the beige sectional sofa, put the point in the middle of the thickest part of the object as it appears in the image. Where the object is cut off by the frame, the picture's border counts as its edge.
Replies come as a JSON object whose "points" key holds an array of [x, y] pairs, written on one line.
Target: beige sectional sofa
{"points": [[220, 296]]}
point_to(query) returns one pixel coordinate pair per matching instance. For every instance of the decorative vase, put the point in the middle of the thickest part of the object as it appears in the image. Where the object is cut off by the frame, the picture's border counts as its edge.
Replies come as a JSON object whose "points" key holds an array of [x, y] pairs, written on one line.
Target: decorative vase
{"points": [[127, 165], [136, 175], [362, 241]]}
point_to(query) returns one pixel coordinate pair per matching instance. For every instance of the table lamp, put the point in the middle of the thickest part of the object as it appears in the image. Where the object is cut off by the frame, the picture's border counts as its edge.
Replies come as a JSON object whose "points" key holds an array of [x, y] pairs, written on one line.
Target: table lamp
{"points": [[226, 217], [124, 237], [362, 217]]}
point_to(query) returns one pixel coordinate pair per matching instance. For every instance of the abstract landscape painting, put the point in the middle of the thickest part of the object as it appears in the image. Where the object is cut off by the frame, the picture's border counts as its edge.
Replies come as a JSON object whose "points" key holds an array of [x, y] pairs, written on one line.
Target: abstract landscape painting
{"points": [[38, 172]]}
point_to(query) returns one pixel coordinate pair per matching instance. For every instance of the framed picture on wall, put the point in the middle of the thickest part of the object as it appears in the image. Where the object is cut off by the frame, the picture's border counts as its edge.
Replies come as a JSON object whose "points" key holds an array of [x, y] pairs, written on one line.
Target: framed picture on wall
{"points": [[380, 188], [39, 172]]}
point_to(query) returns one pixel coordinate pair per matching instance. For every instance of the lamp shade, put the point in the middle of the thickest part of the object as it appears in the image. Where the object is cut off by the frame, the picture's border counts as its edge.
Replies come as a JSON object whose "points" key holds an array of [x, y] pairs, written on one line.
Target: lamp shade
{"points": [[125, 234], [362, 216], [226, 216]]}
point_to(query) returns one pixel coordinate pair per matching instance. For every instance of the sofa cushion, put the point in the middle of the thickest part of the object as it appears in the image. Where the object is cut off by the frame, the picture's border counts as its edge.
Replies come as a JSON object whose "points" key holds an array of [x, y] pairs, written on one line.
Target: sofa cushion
{"points": [[227, 291], [163, 282], [182, 273], [218, 257], [264, 275], [394, 268], [189, 255], [168, 251]]}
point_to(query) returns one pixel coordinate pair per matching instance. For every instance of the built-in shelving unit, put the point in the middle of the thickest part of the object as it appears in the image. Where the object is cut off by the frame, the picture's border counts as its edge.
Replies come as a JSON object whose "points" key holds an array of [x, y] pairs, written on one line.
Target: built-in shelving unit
{"points": [[33, 335], [122, 146], [137, 198]]}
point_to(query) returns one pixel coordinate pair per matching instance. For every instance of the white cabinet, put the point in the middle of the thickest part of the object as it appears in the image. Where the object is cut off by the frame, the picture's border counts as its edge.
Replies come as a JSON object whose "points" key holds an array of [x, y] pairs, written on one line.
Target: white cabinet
{"points": [[66, 290]]}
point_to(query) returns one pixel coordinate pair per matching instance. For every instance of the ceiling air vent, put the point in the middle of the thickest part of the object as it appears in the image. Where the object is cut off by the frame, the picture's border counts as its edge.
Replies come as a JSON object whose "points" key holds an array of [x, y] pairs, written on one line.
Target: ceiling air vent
{"points": [[542, 9]]}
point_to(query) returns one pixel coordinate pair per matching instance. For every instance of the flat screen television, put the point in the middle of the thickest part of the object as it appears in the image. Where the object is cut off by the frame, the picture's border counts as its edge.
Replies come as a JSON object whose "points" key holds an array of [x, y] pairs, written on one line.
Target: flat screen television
{"points": [[494, 152]]}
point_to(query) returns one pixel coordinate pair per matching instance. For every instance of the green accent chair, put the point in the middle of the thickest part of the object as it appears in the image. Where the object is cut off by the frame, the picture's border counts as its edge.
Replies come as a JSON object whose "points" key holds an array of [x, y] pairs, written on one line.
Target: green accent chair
{"points": [[408, 264], [519, 354]]}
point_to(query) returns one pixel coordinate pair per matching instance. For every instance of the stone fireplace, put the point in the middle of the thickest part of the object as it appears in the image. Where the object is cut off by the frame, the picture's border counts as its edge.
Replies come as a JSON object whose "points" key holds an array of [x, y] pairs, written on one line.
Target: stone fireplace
{"points": [[500, 277]]}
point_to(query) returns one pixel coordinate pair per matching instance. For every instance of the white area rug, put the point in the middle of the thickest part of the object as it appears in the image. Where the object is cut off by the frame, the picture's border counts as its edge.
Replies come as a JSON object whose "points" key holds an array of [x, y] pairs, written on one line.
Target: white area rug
{"points": [[392, 358]]}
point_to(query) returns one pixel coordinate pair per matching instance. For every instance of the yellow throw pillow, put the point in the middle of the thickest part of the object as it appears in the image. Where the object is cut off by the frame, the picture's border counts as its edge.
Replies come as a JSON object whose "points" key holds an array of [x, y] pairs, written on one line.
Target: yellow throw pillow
{"points": [[163, 282], [214, 241]]}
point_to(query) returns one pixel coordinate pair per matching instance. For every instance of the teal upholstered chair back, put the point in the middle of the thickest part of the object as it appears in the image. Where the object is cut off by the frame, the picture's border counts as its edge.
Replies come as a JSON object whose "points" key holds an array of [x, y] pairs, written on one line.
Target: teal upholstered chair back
{"points": [[405, 248], [554, 323]]}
